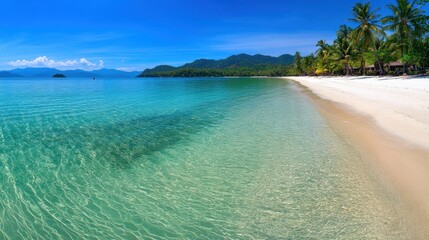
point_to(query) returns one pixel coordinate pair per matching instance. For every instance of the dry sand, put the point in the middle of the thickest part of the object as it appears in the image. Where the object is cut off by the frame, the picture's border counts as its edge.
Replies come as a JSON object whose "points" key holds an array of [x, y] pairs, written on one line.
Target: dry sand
{"points": [[398, 105], [387, 118]]}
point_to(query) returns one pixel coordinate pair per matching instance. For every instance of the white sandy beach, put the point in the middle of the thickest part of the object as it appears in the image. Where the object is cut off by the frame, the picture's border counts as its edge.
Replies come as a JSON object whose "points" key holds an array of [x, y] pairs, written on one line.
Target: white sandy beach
{"points": [[399, 105]]}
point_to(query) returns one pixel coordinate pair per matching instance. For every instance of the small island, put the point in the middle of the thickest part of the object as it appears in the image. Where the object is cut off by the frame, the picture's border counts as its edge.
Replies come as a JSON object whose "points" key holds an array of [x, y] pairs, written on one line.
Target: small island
{"points": [[59, 75]]}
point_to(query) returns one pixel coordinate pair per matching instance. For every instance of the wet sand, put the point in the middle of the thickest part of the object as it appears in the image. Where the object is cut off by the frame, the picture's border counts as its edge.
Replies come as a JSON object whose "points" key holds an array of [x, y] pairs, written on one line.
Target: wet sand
{"points": [[403, 165]]}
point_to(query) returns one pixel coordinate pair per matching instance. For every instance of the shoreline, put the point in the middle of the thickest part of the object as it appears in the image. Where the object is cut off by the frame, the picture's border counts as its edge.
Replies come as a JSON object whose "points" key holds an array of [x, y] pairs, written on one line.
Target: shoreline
{"points": [[398, 105], [404, 165]]}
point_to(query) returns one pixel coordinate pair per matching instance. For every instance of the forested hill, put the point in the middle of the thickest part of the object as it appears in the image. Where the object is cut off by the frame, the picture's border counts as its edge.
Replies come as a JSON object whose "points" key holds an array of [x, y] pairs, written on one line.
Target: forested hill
{"points": [[236, 65]]}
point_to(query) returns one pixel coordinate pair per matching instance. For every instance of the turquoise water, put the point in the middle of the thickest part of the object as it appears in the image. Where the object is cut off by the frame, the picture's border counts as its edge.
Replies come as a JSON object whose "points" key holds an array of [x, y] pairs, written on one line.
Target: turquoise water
{"points": [[180, 158]]}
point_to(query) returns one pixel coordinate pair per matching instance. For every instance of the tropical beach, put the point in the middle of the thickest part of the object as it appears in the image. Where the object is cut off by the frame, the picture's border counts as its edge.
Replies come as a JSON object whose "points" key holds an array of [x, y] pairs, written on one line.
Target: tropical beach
{"points": [[214, 120]]}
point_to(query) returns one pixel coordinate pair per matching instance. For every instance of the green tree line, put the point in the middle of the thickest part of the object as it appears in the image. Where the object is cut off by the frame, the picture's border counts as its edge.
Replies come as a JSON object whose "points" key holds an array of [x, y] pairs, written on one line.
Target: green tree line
{"points": [[257, 70]]}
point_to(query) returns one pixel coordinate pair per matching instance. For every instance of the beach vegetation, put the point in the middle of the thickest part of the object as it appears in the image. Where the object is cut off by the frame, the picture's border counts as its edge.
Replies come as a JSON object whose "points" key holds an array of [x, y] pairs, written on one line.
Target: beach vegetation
{"points": [[407, 23], [393, 44]]}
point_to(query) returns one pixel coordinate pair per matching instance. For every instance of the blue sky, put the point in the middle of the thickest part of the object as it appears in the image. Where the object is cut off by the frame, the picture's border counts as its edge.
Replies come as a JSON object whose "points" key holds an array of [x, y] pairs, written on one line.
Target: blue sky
{"points": [[136, 34]]}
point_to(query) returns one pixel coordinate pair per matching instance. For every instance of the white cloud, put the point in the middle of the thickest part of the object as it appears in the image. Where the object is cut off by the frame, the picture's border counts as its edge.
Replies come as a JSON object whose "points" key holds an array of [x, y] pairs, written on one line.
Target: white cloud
{"points": [[44, 61]]}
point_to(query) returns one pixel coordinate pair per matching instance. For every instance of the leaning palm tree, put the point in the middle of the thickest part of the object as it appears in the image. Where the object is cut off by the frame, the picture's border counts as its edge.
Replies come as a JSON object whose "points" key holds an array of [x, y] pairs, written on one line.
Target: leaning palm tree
{"points": [[406, 23], [367, 30]]}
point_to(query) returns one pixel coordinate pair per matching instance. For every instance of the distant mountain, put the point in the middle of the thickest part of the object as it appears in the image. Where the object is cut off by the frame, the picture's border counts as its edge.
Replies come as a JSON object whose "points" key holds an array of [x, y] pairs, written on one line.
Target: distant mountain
{"points": [[5, 74], [49, 72], [158, 69], [241, 60], [34, 72], [233, 64]]}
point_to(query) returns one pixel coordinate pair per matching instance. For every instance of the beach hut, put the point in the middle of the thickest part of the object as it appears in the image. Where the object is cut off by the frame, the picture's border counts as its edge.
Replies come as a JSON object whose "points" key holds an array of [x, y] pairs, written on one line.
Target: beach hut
{"points": [[396, 67]]}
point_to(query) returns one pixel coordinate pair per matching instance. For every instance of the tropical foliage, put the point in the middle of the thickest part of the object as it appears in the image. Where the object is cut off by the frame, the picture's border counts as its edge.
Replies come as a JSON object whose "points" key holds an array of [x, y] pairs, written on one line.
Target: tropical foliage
{"points": [[374, 42]]}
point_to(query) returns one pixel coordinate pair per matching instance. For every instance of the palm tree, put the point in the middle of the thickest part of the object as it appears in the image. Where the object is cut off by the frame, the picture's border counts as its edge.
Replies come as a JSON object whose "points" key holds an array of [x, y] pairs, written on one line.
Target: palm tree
{"points": [[386, 51], [323, 49], [344, 48], [324, 53], [406, 23], [309, 64], [298, 63], [344, 31], [367, 30]]}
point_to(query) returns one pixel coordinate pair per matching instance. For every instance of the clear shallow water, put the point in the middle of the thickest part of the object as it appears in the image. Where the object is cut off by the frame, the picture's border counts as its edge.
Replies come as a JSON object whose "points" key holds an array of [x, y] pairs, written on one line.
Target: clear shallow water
{"points": [[180, 158]]}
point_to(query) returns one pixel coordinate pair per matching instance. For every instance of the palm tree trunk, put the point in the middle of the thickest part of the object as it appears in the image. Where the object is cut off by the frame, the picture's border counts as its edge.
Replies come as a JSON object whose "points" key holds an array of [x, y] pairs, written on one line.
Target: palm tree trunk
{"points": [[362, 66], [381, 65], [346, 68]]}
